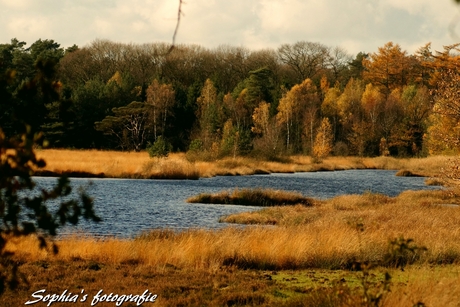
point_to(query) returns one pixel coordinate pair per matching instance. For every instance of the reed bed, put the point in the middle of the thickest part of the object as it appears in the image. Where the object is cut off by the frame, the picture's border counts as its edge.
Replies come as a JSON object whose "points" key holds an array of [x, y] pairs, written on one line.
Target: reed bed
{"points": [[91, 163], [321, 236]]}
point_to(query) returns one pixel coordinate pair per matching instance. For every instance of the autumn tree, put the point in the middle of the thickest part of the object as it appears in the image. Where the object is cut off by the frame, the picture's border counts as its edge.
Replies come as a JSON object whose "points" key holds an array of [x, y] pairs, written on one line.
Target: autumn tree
{"points": [[443, 133], [389, 68], [390, 119], [330, 107], [372, 101], [324, 140], [297, 113], [208, 114], [416, 107], [351, 116], [425, 59], [264, 127], [230, 140], [349, 103], [160, 97]]}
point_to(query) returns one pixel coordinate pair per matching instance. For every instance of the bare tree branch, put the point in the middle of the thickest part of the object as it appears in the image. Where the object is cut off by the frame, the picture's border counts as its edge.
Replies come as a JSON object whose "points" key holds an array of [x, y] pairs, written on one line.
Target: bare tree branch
{"points": [[179, 14]]}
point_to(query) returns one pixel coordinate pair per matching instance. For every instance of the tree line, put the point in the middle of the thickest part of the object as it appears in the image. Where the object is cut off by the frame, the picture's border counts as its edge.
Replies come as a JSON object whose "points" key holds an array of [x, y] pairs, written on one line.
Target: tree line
{"points": [[302, 98]]}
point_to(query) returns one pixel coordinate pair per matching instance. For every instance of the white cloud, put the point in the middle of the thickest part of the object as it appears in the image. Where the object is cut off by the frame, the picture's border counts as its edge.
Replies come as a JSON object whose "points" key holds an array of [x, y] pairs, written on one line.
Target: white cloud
{"points": [[356, 25]]}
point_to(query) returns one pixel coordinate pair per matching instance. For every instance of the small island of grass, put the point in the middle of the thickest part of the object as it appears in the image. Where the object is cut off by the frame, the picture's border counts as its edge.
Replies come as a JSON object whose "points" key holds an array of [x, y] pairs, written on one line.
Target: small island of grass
{"points": [[253, 197]]}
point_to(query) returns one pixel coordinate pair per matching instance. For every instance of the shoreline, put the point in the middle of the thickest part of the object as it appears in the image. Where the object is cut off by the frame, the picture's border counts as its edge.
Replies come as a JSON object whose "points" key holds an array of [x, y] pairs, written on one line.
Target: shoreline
{"points": [[138, 165]]}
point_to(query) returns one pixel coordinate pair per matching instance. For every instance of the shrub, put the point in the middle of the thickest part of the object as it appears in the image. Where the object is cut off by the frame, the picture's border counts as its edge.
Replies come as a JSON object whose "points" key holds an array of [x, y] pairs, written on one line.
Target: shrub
{"points": [[196, 145], [160, 148], [340, 149]]}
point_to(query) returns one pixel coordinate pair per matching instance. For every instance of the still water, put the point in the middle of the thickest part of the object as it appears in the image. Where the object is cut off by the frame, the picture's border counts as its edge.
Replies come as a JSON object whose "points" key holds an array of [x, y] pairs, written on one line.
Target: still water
{"points": [[129, 207]]}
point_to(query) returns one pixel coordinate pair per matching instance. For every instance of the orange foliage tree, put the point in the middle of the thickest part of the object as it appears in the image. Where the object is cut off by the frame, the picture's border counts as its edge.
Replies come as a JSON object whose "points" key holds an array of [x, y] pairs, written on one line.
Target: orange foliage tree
{"points": [[390, 68], [444, 133]]}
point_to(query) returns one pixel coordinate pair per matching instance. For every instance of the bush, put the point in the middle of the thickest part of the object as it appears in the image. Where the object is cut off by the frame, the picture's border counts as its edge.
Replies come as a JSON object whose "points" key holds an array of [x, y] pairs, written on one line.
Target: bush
{"points": [[340, 149], [159, 149], [196, 145]]}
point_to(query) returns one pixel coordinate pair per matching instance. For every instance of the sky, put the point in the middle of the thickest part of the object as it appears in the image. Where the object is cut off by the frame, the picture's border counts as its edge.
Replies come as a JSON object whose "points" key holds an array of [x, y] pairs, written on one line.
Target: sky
{"points": [[354, 25]]}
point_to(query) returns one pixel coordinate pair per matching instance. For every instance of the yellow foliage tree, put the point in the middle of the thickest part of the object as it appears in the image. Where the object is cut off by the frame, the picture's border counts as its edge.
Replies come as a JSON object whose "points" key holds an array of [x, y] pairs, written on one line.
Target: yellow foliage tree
{"points": [[230, 138], [265, 128], [444, 132], [208, 114], [443, 135], [161, 99], [349, 103], [298, 108], [324, 140], [260, 118], [372, 101]]}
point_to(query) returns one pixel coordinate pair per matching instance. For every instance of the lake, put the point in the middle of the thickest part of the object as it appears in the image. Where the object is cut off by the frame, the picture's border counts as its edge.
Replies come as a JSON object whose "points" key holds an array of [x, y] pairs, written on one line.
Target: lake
{"points": [[130, 206]]}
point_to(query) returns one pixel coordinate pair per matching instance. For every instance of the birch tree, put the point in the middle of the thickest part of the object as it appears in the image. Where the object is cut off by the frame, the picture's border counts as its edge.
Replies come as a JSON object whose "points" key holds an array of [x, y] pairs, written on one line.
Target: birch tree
{"points": [[324, 140], [297, 109], [208, 114], [160, 98]]}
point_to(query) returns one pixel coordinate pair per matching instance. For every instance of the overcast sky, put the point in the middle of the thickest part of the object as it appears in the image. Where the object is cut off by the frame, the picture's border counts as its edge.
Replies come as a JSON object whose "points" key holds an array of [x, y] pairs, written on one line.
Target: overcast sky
{"points": [[355, 25]]}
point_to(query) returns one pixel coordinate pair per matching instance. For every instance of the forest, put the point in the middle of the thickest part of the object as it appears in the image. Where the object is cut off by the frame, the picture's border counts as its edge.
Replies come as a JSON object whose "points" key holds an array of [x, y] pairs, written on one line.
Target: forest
{"points": [[302, 98]]}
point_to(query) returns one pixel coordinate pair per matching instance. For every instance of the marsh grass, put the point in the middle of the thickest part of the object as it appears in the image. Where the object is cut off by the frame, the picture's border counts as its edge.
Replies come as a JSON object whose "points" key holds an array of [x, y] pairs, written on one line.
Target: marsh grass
{"points": [[319, 236], [114, 164], [253, 197], [90, 163], [240, 266]]}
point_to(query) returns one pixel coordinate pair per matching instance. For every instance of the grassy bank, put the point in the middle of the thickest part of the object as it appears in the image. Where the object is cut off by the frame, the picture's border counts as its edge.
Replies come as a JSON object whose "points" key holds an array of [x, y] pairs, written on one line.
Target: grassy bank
{"points": [[115, 164], [306, 259]]}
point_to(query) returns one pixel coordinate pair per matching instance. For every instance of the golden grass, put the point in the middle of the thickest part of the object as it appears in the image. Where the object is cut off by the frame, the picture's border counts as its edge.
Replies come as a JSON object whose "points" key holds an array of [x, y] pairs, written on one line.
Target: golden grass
{"points": [[116, 164], [322, 237], [139, 165]]}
